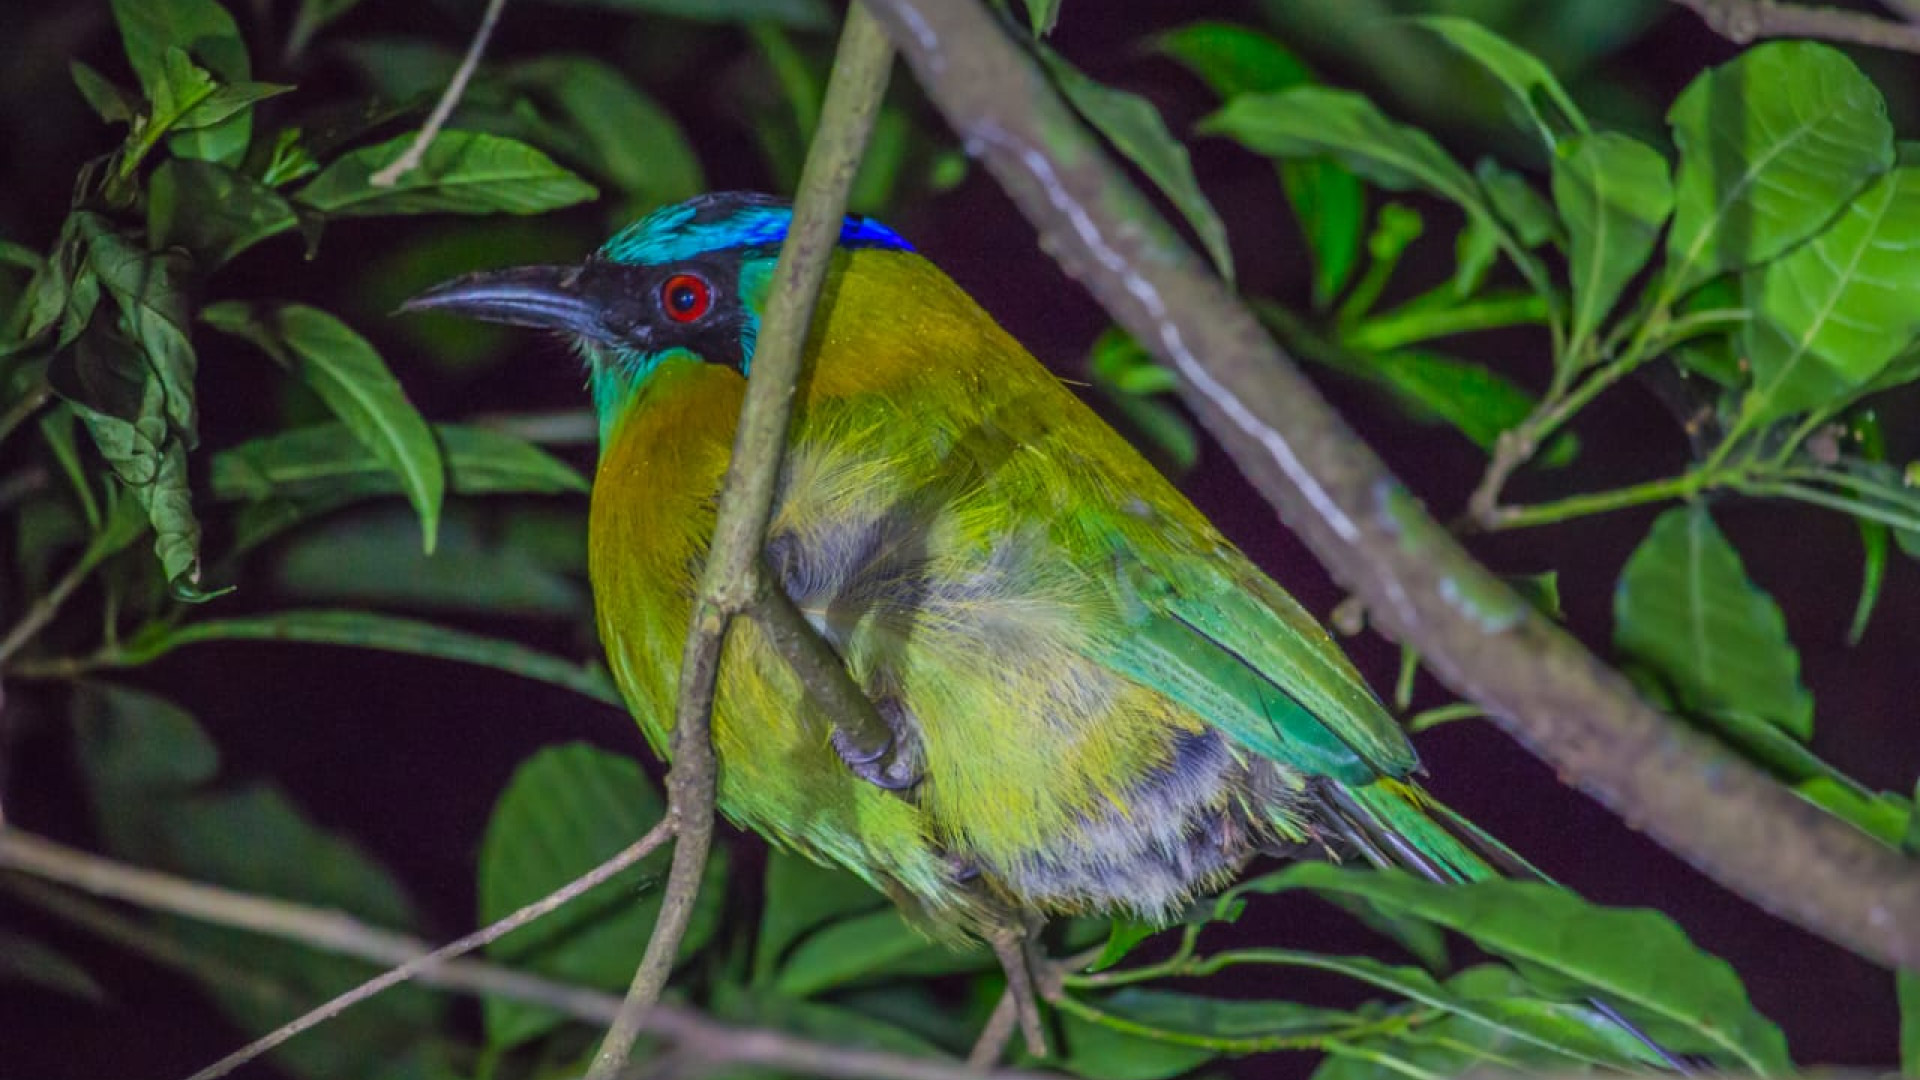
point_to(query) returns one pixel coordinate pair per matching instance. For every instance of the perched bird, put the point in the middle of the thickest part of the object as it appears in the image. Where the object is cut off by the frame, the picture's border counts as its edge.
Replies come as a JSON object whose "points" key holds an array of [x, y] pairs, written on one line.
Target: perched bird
{"points": [[1097, 702]]}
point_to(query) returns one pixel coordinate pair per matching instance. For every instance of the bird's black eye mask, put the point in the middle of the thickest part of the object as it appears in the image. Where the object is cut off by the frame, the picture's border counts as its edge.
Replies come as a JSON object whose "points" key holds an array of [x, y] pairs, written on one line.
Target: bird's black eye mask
{"points": [[645, 312]]}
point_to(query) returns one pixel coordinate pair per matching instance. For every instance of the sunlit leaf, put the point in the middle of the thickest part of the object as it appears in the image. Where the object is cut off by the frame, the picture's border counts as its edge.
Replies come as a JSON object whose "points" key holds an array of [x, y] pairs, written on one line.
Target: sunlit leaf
{"points": [[462, 172], [1772, 145], [1614, 195], [567, 809], [1847, 301], [1686, 606], [345, 371], [1137, 131], [1531, 86]]}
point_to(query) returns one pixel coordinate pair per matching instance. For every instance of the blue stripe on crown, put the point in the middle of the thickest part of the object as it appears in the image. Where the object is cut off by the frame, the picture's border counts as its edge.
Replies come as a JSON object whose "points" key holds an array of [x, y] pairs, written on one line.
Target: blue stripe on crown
{"points": [[724, 222]]}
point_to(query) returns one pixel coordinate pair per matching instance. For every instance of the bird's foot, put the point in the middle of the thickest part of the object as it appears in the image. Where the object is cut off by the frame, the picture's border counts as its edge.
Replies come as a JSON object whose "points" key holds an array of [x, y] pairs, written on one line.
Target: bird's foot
{"points": [[894, 765]]}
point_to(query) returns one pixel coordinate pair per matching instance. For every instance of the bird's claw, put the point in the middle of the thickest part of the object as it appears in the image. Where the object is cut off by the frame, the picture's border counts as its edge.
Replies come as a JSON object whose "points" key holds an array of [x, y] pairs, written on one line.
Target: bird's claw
{"points": [[894, 764]]}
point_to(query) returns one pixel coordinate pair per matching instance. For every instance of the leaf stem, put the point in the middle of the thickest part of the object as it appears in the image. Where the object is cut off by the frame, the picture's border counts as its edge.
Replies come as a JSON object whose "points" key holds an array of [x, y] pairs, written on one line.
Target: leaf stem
{"points": [[1576, 506], [730, 578]]}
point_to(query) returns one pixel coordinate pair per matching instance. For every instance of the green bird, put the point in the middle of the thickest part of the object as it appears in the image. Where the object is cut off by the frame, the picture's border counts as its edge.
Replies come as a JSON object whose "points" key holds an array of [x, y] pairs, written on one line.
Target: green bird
{"points": [[1098, 703]]}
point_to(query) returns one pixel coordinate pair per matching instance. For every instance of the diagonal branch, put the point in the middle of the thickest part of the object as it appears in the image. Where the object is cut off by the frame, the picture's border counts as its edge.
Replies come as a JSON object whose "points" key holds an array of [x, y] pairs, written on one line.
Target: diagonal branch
{"points": [[1689, 792], [731, 578], [1745, 21]]}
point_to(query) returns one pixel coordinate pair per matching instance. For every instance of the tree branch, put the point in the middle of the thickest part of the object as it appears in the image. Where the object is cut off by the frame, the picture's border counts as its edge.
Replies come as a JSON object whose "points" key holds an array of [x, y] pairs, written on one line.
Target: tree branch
{"points": [[1745, 21], [330, 932], [731, 576], [1692, 794], [449, 100]]}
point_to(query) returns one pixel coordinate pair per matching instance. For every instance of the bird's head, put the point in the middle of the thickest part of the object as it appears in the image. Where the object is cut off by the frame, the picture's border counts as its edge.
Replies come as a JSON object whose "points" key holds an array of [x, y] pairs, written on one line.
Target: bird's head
{"points": [[685, 282]]}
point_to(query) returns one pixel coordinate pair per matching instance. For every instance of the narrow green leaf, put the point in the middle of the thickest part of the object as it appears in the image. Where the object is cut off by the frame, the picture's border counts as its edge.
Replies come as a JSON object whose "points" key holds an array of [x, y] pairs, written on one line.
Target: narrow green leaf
{"points": [[211, 210], [1685, 605], [1873, 575], [1137, 131], [1878, 814], [327, 459], [800, 896], [346, 372], [1532, 88], [1474, 250], [866, 947], [463, 172], [1233, 59], [1312, 121], [1614, 195], [25, 960], [566, 810], [1847, 301], [1772, 145], [1042, 15], [204, 30], [1638, 958], [1514, 201], [115, 106], [390, 633]]}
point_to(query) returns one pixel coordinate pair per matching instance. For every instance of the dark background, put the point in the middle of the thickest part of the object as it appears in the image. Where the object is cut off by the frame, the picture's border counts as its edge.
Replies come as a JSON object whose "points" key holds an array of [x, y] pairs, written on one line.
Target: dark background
{"points": [[407, 758]]}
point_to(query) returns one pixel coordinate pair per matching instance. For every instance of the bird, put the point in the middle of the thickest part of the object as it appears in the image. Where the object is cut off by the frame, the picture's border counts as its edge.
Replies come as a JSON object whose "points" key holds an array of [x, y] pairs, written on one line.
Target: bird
{"points": [[1096, 702]]}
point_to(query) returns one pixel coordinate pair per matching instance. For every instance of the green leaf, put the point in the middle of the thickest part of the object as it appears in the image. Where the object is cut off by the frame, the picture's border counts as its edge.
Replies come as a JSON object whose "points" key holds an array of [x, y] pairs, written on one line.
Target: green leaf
{"points": [[1873, 574], [328, 460], [1042, 15], [1638, 958], [211, 210], [1127, 376], [1614, 195], [25, 960], [1685, 605], [1907, 986], [1137, 131], [1847, 302], [865, 947], [1474, 250], [1326, 197], [1312, 121], [1878, 814], [1099, 1052], [203, 30], [463, 172], [346, 372], [835, 1025], [115, 106], [566, 810], [800, 14], [625, 136], [391, 633], [800, 896], [1539, 96], [150, 290], [1772, 145], [1514, 201]]}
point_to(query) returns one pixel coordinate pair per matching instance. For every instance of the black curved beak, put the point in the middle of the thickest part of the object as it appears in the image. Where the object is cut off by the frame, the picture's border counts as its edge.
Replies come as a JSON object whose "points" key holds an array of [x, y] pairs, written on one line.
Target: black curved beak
{"points": [[542, 297]]}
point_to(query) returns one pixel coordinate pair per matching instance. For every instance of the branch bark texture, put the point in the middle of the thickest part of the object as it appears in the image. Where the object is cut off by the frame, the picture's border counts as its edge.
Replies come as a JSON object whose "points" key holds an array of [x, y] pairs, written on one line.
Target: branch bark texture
{"points": [[1690, 793], [1746, 21], [731, 580]]}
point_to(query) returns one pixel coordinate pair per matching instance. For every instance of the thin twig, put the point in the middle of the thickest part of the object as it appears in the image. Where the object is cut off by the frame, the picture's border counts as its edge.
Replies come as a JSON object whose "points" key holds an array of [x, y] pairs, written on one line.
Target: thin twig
{"points": [[693, 1034], [997, 1033], [1745, 21], [45, 608], [1696, 796], [24, 406], [417, 150], [731, 575]]}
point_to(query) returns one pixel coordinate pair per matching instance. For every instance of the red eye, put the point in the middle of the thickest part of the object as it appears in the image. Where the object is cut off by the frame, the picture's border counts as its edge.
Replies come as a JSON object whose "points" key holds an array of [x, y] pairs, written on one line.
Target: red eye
{"points": [[686, 297]]}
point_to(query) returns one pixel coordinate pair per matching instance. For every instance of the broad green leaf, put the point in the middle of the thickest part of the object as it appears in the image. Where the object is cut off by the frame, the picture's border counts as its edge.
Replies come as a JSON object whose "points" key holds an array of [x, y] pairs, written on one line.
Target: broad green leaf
{"points": [[1326, 197], [835, 1025], [1637, 958], [1137, 131], [203, 30], [1773, 144], [523, 562], [1312, 121], [1099, 1052], [1847, 301], [566, 810], [868, 946], [1686, 606], [625, 136], [345, 371], [327, 459], [211, 210], [800, 14], [151, 291], [463, 172], [389, 633], [1518, 206], [801, 895], [25, 960], [1531, 85], [1614, 195], [147, 764]]}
